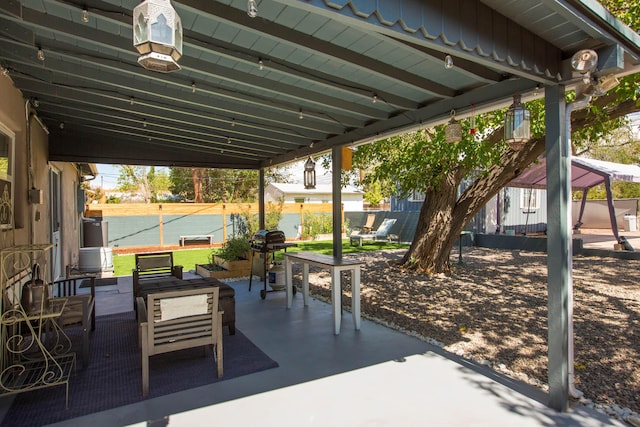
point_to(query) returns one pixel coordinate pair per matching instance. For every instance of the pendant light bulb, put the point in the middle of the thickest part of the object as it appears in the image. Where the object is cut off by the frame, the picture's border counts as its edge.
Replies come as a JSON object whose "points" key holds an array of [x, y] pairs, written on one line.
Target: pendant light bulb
{"points": [[85, 15], [448, 62], [301, 116], [193, 87], [252, 8], [374, 99], [40, 54], [260, 64]]}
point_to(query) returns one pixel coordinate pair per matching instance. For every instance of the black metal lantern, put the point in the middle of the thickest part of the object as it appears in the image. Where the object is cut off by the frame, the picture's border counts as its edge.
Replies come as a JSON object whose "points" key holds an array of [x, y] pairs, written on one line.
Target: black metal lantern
{"points": [[157, 35], [310, 174], [517, 130]]}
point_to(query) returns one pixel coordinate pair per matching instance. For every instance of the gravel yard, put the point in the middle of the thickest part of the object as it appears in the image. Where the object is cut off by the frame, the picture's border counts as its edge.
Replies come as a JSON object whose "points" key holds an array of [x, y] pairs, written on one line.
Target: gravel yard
{"points": [[493, 309]]}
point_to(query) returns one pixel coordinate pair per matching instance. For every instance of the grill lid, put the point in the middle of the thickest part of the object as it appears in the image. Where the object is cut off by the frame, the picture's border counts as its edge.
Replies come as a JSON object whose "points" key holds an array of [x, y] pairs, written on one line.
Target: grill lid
{"points": [[265, 237]]}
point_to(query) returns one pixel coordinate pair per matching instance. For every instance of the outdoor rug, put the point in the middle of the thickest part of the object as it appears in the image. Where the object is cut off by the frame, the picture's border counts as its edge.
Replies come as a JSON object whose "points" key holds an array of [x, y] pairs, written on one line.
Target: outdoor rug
{"points": [[114, 375], [106, 281]]}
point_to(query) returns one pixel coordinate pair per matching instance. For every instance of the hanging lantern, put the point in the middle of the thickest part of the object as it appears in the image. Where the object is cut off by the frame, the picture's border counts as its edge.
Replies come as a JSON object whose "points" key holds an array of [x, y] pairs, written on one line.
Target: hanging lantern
{"points": [[157, 35], [453, 129], [517, 131], [310, 174]]}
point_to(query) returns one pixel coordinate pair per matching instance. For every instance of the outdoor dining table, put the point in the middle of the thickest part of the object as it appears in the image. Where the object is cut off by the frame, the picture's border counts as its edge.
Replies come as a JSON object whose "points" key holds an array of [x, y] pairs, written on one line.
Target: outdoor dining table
{"points": [[336, 265]]}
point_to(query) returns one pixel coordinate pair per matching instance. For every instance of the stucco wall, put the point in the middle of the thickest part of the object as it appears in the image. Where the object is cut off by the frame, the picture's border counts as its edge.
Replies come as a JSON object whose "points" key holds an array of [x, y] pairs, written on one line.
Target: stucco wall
{"points": [[32, 222]]}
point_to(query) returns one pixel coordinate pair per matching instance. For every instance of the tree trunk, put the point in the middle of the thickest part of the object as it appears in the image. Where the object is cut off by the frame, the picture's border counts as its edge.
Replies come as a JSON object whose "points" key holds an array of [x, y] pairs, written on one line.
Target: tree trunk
{"points": [[196, 175]]}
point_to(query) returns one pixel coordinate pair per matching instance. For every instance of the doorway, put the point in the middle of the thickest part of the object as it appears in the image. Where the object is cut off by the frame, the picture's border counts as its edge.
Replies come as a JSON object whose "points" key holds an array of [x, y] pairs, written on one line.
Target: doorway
{"points": [[56, 220]]}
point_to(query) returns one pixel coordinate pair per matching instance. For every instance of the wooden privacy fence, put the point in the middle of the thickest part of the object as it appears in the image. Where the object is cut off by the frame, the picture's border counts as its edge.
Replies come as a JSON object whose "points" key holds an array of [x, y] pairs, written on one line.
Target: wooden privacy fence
{"points": [[140, 224]]}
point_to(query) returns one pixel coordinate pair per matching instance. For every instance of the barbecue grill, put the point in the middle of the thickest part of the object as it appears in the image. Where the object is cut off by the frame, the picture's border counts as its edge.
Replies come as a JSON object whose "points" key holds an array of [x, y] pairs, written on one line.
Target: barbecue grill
{"points": [[263, 238], [268, 242]]}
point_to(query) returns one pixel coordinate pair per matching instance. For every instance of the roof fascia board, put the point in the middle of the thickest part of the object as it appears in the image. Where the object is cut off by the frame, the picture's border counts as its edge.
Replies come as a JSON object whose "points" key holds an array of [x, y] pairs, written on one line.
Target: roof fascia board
{"points": [[539, 60]]}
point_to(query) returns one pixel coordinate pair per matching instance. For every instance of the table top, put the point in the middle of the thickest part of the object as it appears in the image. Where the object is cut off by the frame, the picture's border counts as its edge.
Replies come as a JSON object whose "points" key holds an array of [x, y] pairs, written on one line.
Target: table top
{"points": [[323, 259]]}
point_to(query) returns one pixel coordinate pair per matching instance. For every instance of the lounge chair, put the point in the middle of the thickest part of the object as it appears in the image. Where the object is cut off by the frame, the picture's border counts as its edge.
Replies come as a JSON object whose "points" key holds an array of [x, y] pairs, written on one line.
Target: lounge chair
{"points": [[382, 233], [368, 226]]}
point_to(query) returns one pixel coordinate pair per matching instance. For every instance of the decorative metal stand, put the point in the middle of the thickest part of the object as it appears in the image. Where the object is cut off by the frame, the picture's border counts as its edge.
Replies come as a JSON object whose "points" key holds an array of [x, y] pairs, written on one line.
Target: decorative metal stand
{"points": [[35, 352]]}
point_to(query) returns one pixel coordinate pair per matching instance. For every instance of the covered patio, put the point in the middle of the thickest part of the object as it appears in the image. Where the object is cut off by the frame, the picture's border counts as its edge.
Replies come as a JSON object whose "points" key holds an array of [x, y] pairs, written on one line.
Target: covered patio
{"points": [[309, 77], [375, 376]]}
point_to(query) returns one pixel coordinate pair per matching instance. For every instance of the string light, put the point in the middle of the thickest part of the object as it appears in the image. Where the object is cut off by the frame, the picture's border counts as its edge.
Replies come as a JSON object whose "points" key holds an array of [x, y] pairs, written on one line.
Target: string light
{"points": [[228, 140], [448, 62], [301, 116], [260, 64], [233, 122], [252, 8], [193, 87], [40, 54], [61, 125], [35, 103], [374, 99], [144, 123], [132, 101], [85, 15]]}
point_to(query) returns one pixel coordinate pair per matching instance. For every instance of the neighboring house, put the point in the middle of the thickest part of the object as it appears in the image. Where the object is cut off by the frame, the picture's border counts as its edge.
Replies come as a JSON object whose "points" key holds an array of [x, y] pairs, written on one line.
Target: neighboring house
{"points": [[352, 198], [41, 201]]}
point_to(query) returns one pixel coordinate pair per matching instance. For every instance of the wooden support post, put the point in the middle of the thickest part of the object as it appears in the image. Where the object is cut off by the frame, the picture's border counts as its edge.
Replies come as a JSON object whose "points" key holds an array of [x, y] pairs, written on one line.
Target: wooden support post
{"points": [[160, 225]]}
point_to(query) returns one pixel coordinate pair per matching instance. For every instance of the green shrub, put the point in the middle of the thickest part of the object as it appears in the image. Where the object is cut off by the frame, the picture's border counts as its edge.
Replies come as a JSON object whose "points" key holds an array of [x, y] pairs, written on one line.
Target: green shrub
{"points": [[232, 250]]}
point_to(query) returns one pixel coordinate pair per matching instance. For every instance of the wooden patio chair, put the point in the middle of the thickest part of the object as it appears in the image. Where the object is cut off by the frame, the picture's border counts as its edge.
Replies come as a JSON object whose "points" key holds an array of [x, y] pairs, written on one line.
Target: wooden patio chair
{"points": [[368, 226], [178, 320]]}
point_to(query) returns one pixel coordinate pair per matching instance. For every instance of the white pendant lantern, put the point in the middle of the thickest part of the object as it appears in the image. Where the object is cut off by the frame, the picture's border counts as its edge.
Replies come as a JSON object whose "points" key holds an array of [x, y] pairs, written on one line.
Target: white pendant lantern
{"points": [[517, 130], [310, 174], [157, 35]]}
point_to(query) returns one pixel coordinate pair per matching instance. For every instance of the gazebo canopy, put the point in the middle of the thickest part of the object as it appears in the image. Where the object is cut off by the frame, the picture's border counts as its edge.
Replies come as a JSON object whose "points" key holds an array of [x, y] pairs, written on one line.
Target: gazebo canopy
{"points": [[585, 173]]}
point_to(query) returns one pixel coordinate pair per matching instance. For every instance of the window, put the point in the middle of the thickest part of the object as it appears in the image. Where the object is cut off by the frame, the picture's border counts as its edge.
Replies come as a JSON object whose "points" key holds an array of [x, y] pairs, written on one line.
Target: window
{"points": [[6, 177], [416, 196], [529, 198]]}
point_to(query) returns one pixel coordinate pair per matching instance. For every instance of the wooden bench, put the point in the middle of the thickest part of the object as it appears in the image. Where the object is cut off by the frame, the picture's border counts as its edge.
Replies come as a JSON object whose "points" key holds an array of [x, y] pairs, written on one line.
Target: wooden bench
{"points": [[195, 237], [177, 320], [156, 267]]}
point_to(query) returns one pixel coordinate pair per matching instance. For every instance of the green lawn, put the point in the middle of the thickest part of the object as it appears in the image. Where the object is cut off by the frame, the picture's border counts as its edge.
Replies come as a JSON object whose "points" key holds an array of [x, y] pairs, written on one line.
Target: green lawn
{"points": [[188, 258]]}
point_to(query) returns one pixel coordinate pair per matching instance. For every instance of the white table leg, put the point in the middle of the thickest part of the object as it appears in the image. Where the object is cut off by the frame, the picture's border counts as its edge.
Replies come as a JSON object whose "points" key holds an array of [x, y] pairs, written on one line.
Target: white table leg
{"points": [[305, 284], [288, 278], [336, 299], [355, 297]]}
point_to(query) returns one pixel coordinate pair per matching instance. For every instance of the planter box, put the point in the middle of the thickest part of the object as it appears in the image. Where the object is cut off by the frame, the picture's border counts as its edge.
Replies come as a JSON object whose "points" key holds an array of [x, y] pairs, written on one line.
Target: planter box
{"points": [[232, 269], [242, 264]]}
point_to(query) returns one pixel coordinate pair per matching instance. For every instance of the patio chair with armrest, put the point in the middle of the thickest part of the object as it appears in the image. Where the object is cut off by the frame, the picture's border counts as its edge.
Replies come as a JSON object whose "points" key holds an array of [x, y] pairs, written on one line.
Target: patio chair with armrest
{"points": [[381, 233], [178, 320]]}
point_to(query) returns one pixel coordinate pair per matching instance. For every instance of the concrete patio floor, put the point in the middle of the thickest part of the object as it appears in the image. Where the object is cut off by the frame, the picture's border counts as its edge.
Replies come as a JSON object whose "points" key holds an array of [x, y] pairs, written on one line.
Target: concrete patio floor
{"points": [[372, 377]]}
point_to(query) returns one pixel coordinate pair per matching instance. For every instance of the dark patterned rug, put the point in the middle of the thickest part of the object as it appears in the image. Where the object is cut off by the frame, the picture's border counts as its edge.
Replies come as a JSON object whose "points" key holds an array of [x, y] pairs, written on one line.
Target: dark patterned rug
{"points": [[113, 377]]}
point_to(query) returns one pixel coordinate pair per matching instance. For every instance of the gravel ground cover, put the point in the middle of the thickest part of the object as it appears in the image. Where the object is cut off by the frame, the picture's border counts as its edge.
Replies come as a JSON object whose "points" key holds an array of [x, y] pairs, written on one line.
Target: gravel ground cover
{"points": [[493, 310]]}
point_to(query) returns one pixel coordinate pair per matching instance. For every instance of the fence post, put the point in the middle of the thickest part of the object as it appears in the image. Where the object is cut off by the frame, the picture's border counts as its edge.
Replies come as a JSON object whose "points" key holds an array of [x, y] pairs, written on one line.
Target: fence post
{"points": [[224, 223], [161, 226]]}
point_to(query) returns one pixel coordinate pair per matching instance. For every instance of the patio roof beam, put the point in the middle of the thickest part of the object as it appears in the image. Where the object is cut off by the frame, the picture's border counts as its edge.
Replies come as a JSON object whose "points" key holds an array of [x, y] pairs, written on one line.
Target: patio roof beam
{"points": [[257, 93], [298, 39]]}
